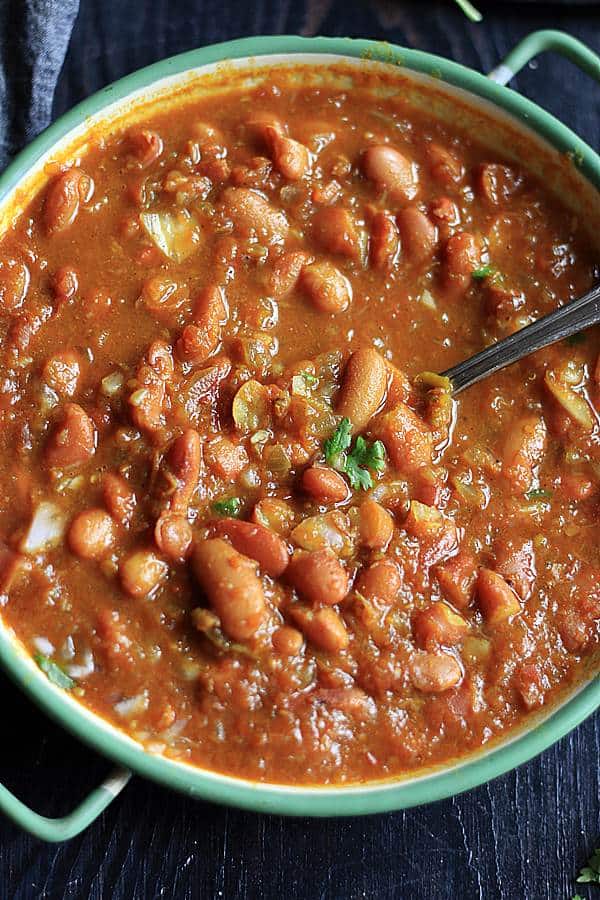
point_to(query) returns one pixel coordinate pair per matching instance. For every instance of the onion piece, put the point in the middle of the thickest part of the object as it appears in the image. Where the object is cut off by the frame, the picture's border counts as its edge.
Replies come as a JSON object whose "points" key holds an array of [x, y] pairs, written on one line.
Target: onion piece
{"points": [[176, 234], [43, 645], [46, 529], [131, 706], [84, 670]]}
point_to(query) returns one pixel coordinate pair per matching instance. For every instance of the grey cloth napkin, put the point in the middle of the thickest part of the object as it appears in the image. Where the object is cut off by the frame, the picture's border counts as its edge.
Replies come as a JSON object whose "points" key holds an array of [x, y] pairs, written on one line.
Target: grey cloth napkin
{"points": [[34, 36]]}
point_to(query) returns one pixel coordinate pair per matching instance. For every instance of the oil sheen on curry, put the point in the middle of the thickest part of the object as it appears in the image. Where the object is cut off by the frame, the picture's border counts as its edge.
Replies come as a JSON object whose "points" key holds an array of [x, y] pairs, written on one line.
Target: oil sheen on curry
{"points": [[241, 517]]}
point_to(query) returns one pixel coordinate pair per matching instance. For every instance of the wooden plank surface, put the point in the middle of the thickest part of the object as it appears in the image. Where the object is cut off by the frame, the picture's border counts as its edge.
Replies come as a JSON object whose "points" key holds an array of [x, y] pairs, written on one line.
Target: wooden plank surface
{"points": [[522, 837]]}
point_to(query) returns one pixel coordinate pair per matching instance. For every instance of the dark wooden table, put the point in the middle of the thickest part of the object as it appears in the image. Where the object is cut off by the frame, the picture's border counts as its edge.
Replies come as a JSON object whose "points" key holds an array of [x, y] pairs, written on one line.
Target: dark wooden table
{"points": [[522, 837]]}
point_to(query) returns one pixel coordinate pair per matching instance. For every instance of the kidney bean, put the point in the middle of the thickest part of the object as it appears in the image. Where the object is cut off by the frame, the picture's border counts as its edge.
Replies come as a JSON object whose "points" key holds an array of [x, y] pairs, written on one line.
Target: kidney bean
{"points": [[323, 627], [456, 578], [251, 212], [14, 284], [515, 561], [283, 275], [364, 387], [327, 289], [497, 600], [161, 294], [444, 165], [65, 194], [325, 485], [434, 673], [376, 525], [523, 451], [200, 339], [182, 465], [319, 577], [497, 183], [462, 256], [145, 146], [141, 573], [147, 400], [173, 536], [384, 242], [72, 442], [418, 235], [380, 581], [232, 586], [65, 283], [287, 640], [290, 158], [437, 625], [335, 230], [257, 542], [91, 534], [391, 171], [406, 438], [119, 498]]}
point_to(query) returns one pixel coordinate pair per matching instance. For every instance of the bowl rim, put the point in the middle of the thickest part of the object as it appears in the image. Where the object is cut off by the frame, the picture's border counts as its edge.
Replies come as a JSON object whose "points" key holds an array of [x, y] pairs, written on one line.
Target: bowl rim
{"points": [[283, 799]]}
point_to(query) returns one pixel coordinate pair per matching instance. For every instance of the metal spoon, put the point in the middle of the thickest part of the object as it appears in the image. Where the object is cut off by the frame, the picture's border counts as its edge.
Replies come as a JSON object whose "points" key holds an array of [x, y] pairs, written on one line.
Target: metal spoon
{"points": [[558, 325]]}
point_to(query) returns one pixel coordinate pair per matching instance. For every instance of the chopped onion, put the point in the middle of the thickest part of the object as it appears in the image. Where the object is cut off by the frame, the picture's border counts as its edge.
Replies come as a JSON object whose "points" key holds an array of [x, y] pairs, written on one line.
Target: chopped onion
{"points": [[112, 384], [46, 529], [82, 671], [131, 706], [177, 234], [43, 646]]}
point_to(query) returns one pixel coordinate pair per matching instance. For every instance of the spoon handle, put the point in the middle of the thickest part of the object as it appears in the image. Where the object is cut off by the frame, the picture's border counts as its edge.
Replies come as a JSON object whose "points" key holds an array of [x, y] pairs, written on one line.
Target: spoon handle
{"points": [[558, 325]]}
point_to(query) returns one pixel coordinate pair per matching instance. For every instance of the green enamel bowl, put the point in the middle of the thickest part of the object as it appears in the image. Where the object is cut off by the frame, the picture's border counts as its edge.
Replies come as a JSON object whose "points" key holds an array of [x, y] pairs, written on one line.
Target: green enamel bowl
{"points": [[475, 101]]}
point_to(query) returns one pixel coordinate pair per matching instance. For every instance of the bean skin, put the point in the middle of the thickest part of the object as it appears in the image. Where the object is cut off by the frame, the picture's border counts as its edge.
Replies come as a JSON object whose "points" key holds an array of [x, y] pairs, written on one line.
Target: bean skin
{"points": [[391, 171], [119, 498], [462, 256], [145, 146], [407, 439], [183, 461], [376, 526], [364, 387], [61, 372], [434, 673], [457, 579], [384, 242], [380, 581], [283, 275], [232, 587], [251, 212], [418, 235], [173, 536], [439, 624], [335, 230], [73, 440], [324, 627], [325, 485], [497, 600], [14, 284], [287, 641], [319, 577], [257, 542], [201, 338], [446, 168], [91, 534], [523, 451], [325, 286], [65, 194], [290, 157]]}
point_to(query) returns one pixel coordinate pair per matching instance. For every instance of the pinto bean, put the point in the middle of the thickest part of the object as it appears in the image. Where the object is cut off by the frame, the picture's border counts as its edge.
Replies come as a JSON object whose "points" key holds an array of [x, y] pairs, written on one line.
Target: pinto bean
{"points": [[65, 195], [418, 235], [444, 165], [73, 440], [434, 673], [14, 284], [145, 146], [65, 283], [283, 275], [497, 600], [376, 525], [91, 534], [323, 627], [325, 485], [161, 294], [290, 157], [232, 586], [380, 581], [462, 255], [438, 624], [319, 577], [523, 451], [335, 230], [384, 242], [182, 463], [251, 212], [119, 498], [141, 573], [391, 171], [456, 577], [147, 401], [406, 438], [497, 183], [61, 372], [173, 536], [364, 386], [327, 289], [287, 640], [257, 542], [200, 339]]}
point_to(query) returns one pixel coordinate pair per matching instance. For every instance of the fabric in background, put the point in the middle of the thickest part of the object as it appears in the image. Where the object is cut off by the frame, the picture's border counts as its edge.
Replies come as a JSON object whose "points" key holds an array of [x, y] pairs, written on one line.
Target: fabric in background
{"points": [[34, 36]]}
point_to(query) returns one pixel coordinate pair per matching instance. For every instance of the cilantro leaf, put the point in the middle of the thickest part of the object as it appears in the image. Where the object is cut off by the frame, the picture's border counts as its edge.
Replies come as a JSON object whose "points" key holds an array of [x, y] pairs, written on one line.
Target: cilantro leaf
{"points": [[339, 441], [230, 507], [309, 378], [483, 272], [54, 672], [358, 478], [538, 494], [590, 874]]}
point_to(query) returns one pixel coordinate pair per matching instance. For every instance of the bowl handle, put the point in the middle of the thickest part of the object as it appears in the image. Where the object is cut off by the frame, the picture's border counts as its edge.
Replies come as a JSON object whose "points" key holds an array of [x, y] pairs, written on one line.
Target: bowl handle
{"points": [[68, 826], [540, 41]]}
